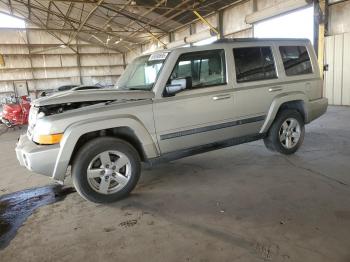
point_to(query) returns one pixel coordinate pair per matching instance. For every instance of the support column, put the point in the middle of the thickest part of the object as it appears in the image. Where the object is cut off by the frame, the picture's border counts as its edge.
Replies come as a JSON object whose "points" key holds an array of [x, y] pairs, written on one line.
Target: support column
{"points": [[320, 21], [79, 63], [31, 64], [221, 24]]}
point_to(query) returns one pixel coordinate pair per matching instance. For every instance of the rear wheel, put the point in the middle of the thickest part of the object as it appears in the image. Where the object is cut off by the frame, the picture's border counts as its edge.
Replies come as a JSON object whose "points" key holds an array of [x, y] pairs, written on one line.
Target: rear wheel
{"points": [[105, 170], [286, 133]]}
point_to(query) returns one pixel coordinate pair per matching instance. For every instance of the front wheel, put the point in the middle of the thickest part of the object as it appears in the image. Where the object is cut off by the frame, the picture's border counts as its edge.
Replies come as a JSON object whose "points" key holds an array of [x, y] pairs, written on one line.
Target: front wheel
{"points": [[105, 170], [286, 133]]}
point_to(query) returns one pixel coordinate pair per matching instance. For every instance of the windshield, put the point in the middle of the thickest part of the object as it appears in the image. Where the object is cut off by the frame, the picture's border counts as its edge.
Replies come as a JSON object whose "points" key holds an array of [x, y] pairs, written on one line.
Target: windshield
{"points": [[142, 73]]}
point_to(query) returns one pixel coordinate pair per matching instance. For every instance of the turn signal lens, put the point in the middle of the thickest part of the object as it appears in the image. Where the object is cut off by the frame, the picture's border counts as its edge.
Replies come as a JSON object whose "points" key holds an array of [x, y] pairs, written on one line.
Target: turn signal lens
{"points": [[50, 139]]}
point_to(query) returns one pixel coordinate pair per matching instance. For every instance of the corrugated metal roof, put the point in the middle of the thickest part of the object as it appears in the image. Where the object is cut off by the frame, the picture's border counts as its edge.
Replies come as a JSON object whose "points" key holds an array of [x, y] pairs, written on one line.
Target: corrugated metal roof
{"points": [[116, 24]]}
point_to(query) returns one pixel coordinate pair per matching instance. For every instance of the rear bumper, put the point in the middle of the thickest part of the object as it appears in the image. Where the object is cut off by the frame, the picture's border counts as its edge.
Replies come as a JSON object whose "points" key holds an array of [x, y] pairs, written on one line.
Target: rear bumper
{"points": [[317, 108], [37, 158]]}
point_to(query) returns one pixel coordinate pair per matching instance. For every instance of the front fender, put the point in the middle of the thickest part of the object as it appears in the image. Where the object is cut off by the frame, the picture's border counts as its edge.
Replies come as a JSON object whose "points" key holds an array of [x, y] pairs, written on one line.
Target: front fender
{"points": [[76, 130], [276, 104]]}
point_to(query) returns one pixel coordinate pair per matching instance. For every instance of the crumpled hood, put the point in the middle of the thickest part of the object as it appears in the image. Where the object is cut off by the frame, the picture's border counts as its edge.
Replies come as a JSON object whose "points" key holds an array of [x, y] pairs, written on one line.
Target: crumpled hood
{"points": [[92, 95]]}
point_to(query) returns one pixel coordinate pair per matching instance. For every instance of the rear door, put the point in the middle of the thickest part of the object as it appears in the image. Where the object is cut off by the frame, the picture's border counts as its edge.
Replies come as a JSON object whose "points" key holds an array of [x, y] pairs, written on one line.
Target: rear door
{"points": [[257, 82]]}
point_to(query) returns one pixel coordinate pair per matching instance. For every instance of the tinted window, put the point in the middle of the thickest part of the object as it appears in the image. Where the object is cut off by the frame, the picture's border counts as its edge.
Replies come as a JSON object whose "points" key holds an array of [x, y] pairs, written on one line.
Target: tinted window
{"points": [[296, 60], [206, 68], [254, 63]]}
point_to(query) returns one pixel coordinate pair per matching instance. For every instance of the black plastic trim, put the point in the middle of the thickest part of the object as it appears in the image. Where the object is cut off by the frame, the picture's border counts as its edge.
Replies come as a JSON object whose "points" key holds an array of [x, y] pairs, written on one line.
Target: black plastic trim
{"points": [[213, 127], [204, 148]]}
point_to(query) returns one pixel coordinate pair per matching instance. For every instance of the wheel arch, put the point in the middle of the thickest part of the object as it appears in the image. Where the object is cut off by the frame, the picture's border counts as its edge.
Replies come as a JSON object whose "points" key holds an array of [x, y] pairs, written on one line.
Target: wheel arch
{"points": [[297, 101], [129, 129]]}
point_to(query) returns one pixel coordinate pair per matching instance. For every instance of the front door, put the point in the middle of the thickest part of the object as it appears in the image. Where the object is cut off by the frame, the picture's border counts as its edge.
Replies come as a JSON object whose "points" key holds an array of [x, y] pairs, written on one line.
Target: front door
{"points": [[201, 114]]}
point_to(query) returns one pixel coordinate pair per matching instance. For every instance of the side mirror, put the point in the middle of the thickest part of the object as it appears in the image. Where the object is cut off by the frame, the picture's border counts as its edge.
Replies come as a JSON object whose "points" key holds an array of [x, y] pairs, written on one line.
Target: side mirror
{"points": [[178, 85]]}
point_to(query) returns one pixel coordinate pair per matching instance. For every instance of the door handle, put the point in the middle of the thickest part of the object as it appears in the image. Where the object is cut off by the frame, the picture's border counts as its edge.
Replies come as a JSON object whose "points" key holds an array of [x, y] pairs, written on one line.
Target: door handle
{"points": [[275, 89], [222, 97]]}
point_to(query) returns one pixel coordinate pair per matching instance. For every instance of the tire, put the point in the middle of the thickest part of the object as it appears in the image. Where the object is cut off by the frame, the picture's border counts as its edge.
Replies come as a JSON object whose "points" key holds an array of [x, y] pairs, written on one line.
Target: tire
{"points": [[288, 124], [106, 169]]}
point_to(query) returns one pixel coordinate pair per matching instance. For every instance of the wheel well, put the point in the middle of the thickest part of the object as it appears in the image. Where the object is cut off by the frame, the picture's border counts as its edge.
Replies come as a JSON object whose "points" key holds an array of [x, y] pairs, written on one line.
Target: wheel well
{"points": [[124, 133], [297, 105]]}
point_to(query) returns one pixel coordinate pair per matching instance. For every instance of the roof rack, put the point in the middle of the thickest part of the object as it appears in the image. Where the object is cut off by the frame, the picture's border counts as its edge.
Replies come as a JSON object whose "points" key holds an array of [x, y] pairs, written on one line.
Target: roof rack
{"points": [[235, 40]]}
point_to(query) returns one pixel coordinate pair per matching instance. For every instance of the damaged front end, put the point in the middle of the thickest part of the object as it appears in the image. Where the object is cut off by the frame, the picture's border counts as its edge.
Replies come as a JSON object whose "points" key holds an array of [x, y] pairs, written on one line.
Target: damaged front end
{"points": [[48, 118], [60, 108]]}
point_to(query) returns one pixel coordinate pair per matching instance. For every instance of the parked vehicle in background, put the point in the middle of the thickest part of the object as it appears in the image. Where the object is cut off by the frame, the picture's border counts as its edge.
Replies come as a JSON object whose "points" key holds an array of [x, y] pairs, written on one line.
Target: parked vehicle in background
{"points": [[15, 111], [171, 104], [71, 87], [87, 87], [58, 89]]}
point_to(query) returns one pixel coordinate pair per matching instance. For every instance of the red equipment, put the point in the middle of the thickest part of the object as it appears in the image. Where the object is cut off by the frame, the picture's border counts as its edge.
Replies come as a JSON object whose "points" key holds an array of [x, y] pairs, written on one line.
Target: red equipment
{"points": [[16, 111]]}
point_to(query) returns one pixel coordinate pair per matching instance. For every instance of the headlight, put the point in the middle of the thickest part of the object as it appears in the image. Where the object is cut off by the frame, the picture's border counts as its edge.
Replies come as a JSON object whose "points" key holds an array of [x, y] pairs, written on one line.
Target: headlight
{"points": [[33, 113]]}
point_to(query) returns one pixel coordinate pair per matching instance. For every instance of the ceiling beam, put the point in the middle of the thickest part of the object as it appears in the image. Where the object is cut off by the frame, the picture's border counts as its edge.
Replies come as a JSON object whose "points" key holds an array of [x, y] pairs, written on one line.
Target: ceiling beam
{"points": [[165, 7], [85, 20], [73, 20], [132, 16]]}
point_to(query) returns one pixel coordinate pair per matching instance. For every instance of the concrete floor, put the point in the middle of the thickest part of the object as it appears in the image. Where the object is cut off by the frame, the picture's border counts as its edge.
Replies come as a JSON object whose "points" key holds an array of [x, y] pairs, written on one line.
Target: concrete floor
{"points": [[237, 204]]}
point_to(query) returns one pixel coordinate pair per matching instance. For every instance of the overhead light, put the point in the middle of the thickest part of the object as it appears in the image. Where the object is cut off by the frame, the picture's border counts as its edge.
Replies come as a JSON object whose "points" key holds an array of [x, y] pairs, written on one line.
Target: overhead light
{"points": [[63, 46], [133, 3], [118, 41]]}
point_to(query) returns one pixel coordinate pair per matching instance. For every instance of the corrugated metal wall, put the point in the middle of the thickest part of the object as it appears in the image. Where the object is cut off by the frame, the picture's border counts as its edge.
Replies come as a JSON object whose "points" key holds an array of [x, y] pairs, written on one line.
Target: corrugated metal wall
{"points": [[36, 59], [337, 78]]}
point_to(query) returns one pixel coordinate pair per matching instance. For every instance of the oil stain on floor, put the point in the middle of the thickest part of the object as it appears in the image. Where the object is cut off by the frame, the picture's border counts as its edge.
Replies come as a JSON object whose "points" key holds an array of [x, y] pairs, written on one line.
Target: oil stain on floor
{"points": [[16, 207]]}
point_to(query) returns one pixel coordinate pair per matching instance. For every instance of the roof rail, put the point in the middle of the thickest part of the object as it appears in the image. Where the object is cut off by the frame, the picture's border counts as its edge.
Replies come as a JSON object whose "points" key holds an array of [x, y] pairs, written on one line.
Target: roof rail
{"points": [[234, 40]]}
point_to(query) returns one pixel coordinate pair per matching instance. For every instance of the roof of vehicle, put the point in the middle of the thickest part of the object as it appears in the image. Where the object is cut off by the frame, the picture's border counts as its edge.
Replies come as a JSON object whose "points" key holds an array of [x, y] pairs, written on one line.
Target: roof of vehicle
{"points": [[240, 40], [234, 40]]}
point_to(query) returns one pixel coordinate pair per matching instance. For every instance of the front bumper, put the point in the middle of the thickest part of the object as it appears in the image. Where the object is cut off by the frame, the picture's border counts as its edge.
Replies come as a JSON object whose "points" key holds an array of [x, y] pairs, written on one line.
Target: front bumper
{"points": [[37, 158], [317, 108]]}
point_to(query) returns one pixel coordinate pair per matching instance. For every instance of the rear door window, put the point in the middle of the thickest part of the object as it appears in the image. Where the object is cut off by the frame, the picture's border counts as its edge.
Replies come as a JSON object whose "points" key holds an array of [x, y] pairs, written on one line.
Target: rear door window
{"points": [[254, 64], [296, 60]]}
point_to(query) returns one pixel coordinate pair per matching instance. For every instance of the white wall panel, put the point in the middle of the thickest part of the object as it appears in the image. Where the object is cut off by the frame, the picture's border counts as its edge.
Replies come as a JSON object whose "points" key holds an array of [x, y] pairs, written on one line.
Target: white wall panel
{"points": [[181, 34], [346, 71], [13, 49], [338, 69], [101, 60], [234, 17], [46, 61], [200, 26], [337, 78], [69, 60], [329, 75], [13, 75], [16, 61], [101, 71], [55, 73], [339, 18], [12, 37]]}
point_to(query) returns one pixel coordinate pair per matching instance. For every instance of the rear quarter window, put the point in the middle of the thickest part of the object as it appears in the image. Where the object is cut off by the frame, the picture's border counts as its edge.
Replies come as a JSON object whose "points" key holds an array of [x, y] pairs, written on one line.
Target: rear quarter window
{"points": [[296, 60]]}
